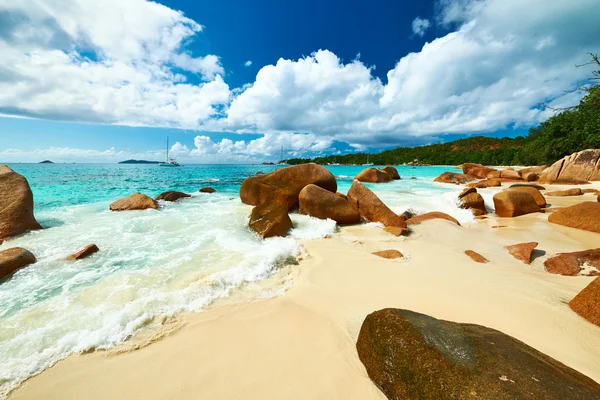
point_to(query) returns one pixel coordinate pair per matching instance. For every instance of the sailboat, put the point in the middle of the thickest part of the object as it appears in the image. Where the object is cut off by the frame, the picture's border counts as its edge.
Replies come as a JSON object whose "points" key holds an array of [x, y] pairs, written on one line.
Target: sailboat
{"points": [[281, 157], [169, 162], [368, 163]]}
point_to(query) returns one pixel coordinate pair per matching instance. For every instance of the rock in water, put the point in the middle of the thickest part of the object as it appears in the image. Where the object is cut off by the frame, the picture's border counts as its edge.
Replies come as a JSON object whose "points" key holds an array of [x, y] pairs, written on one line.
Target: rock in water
{"points": [[512, 203], [373, 175], [584, 216], [414, 356], [270, 219], [285, 184], [473, 201], [539, 198], [13, 259], [476, 257], [587, 302], [391, 171], [389, 254], [585, 262], [207, 190], [417, 220], [84, 253], [172, 196], [371, 208], [320, 203], [451, 177], [578, 167], [16, 210], [522, 251], [136, 201]]}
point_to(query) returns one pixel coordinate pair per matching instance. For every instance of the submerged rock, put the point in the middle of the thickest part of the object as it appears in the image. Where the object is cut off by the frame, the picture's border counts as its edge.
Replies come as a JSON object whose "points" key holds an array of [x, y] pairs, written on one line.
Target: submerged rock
{"points": [[136, 201], [16, 205], [284, 185], [586, 302], [84, 253], [414, 356], [539, 198], [585, 262], [584, 216], [320, 203], [270, 219], [172, 196], [389, 254], [522, 251], [582, 166], [14, 259], [513, 203], [476, 257], [371, 208], [373, 175], [207, 190], [417, 220]]}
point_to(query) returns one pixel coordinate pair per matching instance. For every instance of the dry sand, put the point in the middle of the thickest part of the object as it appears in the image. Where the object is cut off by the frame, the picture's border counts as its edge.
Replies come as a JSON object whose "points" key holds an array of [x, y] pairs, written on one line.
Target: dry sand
{"points": [[301, 345]]}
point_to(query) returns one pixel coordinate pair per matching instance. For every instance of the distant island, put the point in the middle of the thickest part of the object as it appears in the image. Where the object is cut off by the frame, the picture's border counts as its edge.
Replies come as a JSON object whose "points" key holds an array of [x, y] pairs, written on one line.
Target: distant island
{"points": [[46, 162], [139, 162]]}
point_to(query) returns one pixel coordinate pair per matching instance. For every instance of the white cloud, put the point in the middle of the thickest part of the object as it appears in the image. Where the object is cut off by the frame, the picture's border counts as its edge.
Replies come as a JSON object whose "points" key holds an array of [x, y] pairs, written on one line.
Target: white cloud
{"points": [[420, 26], [248, 63]]}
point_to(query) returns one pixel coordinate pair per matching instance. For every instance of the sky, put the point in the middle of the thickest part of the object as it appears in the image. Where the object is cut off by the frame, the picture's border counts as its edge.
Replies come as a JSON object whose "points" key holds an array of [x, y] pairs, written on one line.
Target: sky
{"points": [[238, 81]]}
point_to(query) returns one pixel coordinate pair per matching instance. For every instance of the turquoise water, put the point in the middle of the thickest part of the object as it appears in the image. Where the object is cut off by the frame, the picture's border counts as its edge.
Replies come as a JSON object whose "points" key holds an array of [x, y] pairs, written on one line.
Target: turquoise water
{"points": [[152, 264]]}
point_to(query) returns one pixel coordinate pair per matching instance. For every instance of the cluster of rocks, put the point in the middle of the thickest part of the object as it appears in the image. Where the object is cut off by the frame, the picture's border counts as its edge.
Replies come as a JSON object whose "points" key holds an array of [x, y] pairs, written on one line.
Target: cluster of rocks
{"points": [[140, 201], [375, 175]]}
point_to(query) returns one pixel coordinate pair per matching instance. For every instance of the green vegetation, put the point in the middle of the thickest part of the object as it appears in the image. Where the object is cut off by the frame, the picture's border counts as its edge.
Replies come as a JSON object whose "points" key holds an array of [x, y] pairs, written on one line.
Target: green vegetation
{"points": [[570, 130]]}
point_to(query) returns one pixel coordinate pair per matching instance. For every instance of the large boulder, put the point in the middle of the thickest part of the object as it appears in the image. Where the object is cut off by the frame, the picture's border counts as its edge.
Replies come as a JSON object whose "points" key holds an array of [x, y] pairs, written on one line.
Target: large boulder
{"points": [[472, 201], [585, 262], [513, 203], [136, 201], [533, 170], [530, 176], [477, 170], [270, 219], [454, 178], [536, 194], [172, 196], [13, 259], [522, 251], [393, 172], [418, 219], [414, 356], [510, 174], [284, 185], [568, 192], [373, 175], [84, 253], [584, 216], [320, 203], [586, 302], [486, 183], [578, 167], [16, 199], [371, 208]]}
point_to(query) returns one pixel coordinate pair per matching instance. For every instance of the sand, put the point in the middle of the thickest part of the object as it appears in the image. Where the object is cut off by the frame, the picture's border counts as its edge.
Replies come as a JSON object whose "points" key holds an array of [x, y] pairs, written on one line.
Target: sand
{"points": [[301, 345]]}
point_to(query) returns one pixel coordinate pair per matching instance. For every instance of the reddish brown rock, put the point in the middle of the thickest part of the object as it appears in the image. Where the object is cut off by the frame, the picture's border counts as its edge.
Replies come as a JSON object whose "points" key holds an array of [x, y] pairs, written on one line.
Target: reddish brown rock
{"points": [[589, 190], [578, 167], [587, 303], [454, 178], [16, 205], [84, 253], [13, 259], [417, 220], [473, 202], [568, 192], [485, 184], [533, 185], [510, 174], [342, 195], [512, 203], [136, 201], [585, 263], [477, 170], [466, 191], [172, 196], [584, 216], [371, 208], [494, 175], [207, 190], [530, 177], [522, 251], [270, 219], [536, 194], [389, 254], [284, 185], [391, 171], [373, 175], [320, 203], [535, 170], [476, 257], [394, 230]]}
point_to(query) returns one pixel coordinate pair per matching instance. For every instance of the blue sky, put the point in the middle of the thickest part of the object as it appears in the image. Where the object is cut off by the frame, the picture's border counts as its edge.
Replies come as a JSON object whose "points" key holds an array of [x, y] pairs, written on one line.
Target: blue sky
{"points": [[237, 81]]}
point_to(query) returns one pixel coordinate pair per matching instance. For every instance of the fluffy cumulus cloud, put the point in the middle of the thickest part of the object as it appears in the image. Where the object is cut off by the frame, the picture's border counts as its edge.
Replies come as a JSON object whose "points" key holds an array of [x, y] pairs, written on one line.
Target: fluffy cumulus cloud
{"points": [[420, 26], [499, 61], [105, 62]]}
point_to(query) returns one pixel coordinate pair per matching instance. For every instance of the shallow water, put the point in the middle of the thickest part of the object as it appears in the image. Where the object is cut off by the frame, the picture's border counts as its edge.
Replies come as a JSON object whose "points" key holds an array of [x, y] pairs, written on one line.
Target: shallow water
{"points": [[152, 264]]}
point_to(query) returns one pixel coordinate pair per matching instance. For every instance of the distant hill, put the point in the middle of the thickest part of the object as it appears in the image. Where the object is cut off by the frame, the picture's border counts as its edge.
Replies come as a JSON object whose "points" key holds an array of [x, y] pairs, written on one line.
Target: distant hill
{"points": [[46, 162], [139, 162]]}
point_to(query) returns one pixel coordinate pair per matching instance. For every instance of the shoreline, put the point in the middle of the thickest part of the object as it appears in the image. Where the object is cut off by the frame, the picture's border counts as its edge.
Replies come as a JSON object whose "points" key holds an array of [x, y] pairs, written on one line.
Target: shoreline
{"points": [[302, 344]]}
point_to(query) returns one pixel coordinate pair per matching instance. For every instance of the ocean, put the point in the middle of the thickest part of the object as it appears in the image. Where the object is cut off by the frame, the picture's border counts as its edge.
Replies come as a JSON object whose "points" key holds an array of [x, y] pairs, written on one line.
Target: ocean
{"points": [[153, 264]]}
